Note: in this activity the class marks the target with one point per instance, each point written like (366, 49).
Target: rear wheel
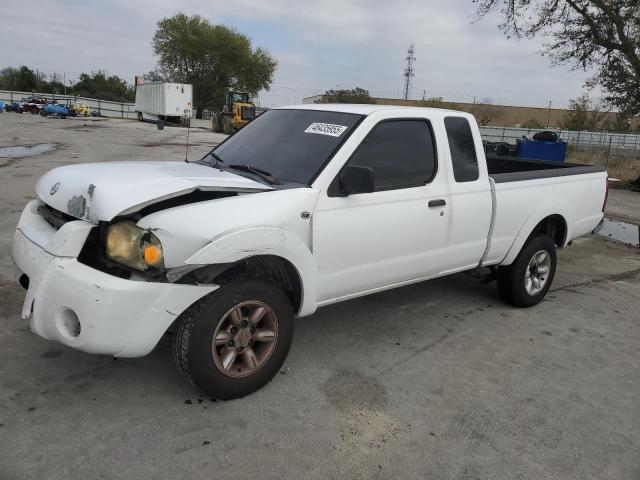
(227, 125)
(235, 340)
(216, 123)
(526, 281)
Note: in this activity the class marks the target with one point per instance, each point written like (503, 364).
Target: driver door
(397, 233)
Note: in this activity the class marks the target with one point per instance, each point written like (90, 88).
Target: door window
(401, 154)
(463, 149)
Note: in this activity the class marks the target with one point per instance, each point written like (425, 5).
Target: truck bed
(512, 169)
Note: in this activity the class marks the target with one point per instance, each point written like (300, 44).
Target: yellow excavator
(238, 110)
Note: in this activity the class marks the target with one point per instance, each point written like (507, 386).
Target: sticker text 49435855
(326, 129)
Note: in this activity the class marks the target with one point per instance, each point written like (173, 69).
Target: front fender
(551, 206)
(233, 246)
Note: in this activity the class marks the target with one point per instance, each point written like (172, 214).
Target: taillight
(606, 195)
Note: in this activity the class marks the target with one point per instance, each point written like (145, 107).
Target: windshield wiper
(257, 171)
(218, 160)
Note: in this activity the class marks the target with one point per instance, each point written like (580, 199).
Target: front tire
(526, 281)
(235, 340)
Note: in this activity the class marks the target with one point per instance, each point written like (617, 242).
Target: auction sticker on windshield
(326, 129)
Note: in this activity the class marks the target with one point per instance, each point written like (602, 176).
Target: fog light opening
(69, 323)
(24, 281)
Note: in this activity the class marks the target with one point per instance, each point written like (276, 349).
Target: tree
(22, 79)
(99, 85)
(532, 124)
(621, 123)
(485, 111)
(355, 95)
(577, 116)
(599, 34)
(583, 114)
(433, 102)
(154, 76)
(213, 58)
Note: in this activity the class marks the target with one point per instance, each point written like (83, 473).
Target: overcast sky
(319, 45)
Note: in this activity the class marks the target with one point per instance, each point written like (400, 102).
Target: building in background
(493, 114)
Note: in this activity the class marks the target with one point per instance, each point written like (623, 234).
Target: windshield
(292, 145)
(241, 97)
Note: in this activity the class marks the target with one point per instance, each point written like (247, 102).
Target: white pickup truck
(304, 207)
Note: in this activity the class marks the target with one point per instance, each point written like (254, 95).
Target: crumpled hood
(101, 191)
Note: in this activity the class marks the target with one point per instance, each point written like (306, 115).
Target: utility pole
(548, 113)
(408, 71)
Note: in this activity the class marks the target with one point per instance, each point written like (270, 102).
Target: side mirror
(355, 179)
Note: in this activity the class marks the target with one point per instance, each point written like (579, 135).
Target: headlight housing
(133, 246)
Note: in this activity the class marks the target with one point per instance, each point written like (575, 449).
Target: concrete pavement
(435, 380)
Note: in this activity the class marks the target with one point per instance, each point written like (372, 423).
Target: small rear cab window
(463, 149)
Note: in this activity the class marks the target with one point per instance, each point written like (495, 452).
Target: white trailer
(170, 102)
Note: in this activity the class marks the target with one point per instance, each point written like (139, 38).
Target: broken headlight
(133, 246)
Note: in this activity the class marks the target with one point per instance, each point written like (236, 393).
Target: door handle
(437, 203)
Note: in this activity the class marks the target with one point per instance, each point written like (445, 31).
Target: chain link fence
(103, 108)
(624, 144)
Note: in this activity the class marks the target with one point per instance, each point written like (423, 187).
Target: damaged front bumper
(86, 309)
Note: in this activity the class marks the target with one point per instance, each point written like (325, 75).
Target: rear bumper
(86, 309)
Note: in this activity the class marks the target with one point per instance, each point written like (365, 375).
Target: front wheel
(236, 339)
(526, 281)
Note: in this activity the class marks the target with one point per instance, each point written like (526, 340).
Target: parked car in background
(55, 109)
(1, 106)
(14, 107)
(81, 109)
(34, 104)
(305, 207)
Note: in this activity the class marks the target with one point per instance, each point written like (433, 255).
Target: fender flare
(551, 206)
(237, 245)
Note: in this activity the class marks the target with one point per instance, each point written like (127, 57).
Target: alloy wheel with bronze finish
(235, 340)
(245, 339)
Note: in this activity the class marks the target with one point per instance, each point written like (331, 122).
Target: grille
(54, 217)
(248, 113)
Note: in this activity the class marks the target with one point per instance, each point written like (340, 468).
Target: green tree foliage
(577, 116)
(354, 95)
(600, 35)
(99, 85)
(22, 79)
(213, 58)
(154, 76)
(583, 114)
(96, 85)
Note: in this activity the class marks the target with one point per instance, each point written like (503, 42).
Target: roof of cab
(360, 109)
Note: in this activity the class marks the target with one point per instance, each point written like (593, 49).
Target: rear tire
(526, 281)
(216, 123)
(242, 361)
(227, 125)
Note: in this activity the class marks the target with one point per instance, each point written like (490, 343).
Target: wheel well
(273, 268)
(554, 226)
